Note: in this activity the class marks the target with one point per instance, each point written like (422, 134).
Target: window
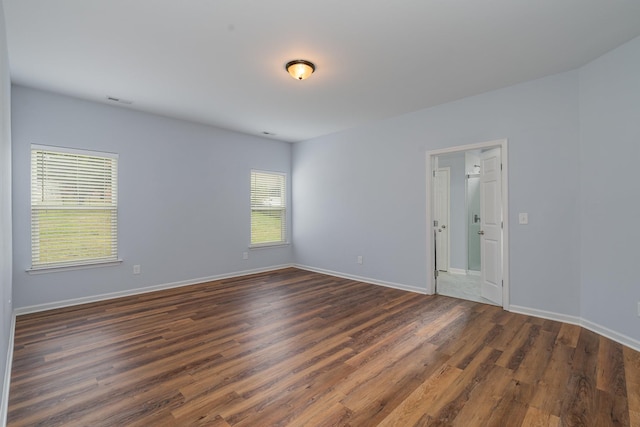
(74, 207)
(268, 208)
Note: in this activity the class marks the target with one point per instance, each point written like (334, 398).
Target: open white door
(491, 225)
(441, 184)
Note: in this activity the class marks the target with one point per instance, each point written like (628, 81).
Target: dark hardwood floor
(298, 348)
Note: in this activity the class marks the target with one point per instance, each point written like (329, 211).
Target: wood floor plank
(610, 372)
(632, 378)
(537, 418)
(519, 347)
(568, 335)
(446, 411)
(513, 406)
(485, 397)
(580, 408)
(551, 387)
(413, 408)
(535, 360)
(517, 321)
(297, 348)
(374, 399)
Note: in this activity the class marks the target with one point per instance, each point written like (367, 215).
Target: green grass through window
(73, 235)
(266, 226)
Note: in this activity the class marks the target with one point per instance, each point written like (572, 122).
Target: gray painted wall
(363, 191)
(6, 308)
(574, 155)
(183, 209)
(610, 192)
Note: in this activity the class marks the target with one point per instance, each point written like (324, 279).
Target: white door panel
(442, 190)
(491, 225)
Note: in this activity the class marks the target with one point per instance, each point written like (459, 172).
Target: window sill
(55, 269)
(269, 245)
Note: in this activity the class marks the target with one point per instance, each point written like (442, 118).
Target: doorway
(477, 229)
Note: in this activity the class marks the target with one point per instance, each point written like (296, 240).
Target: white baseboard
(611, 334)
(575, 320)
(457, 271)
(144, 290)
(362, 279)
(4, 405)
(474, 273)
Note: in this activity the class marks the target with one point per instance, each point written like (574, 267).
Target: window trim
(285, 209)
(70, 267)
(81, 264)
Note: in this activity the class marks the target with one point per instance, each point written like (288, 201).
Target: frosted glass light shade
(300, 69)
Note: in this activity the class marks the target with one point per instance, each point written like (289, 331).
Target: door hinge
(503, 283)
(500, 166)
(501, 224)
(434, 174)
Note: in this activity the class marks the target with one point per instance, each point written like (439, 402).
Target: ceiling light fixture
(300, 69)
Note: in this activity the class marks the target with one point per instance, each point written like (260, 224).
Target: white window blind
(268, 208)
(74, 207)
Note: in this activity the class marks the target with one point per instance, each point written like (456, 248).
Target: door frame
(430, 156)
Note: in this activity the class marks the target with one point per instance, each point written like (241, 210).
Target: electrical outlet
(523, 218)
(359, 259)
(245, 255)
(136, 269)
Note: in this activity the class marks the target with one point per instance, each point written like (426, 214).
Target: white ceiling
(221, 62)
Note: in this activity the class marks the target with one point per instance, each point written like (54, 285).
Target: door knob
(444, 226)
(481, 232)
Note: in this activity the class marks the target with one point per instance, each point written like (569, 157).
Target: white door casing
(491, 225)
(442, 190)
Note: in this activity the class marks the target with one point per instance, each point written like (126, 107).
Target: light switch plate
(523, 218)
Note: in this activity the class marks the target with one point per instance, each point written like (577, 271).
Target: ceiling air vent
(119, 100)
